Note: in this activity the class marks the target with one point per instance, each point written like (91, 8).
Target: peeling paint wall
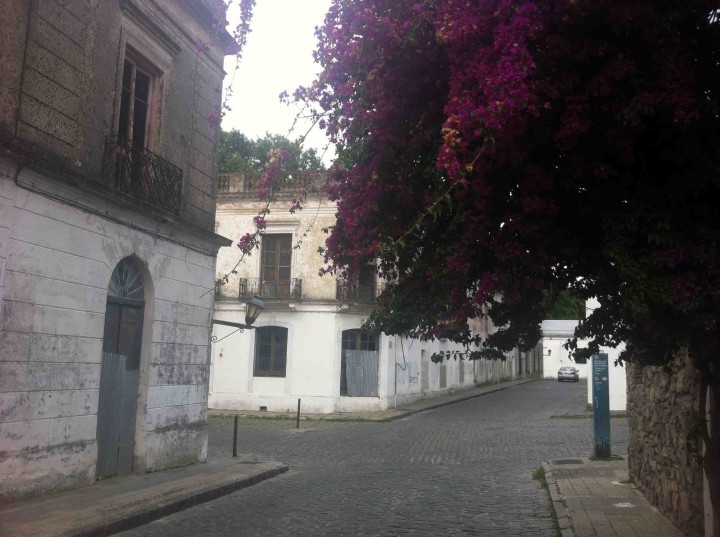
(62, 233)
(59, 262)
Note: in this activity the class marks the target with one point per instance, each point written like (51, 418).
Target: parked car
(568, 373)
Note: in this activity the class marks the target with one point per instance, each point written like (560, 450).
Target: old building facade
(308, 343)
(107, 243)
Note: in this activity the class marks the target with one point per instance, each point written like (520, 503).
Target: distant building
(555, 334)
(107, 243)
(308, 343)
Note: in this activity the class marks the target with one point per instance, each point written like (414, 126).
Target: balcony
(287, 289)
(142, 174)
(357, 292)
(242, 184)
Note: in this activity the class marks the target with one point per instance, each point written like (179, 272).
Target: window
(364, 287)
(129, 164)
(276, 265)
(276, 255)
(270, 351)
(358, 340)
(135, 105)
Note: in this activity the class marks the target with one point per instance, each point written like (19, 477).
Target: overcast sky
(277, 58)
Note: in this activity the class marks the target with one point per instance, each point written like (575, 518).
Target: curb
(139, 519)
(398, 412)
(559, 510)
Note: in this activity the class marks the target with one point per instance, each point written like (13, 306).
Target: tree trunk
(711, 440)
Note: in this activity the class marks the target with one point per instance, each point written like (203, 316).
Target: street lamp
(253, 309)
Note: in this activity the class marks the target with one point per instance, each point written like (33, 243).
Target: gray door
(359, 362)
(120, 373)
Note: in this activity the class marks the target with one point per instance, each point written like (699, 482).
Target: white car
(568, 373)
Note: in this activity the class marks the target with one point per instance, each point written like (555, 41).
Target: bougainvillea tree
(491, 150)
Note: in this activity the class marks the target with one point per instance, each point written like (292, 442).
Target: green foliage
(539, 476)
(238, 153)
(564, 306)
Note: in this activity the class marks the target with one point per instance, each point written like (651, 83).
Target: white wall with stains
(315, 322)
(57, 260)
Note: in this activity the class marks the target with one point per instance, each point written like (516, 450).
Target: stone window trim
(279, 228)
(151, 51)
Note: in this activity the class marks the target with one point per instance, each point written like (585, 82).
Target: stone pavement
(116, 504)
(593, 498)
(456, 471)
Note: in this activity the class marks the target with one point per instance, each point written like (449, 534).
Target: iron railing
(353, 291)
(142, 174)
(250, 287)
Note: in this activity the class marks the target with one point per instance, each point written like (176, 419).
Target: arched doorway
(119, 377)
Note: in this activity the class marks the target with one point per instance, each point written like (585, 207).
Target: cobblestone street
(463, 469)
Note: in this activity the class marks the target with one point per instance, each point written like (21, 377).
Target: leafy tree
(564, 306)
(498, 148)
(238, 153)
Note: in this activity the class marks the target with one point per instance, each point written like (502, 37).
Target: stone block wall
(55, 265)
(62, 64)
(663, 453)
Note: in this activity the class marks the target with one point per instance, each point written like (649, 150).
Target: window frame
(273, 370)
(277, 266)
(153, 52)
(130, 128)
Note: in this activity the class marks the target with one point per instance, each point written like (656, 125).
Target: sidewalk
(121, 503)
(117, 504)
(595, 499)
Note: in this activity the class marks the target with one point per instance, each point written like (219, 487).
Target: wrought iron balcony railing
(142, 174)
(353, 291)
(250, 287)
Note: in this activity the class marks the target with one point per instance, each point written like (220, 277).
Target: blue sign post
(601, 405)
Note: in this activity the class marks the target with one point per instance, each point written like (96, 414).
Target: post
(297, 420)
(601, 405)
(235, 437)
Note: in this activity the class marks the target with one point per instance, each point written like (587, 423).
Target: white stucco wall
(555, 335)
(617, 381)
(57, 265)
(313, 365)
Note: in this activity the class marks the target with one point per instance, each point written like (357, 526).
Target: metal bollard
(297, 421)
(235, 437)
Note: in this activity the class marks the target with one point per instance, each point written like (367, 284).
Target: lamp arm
(215, 339)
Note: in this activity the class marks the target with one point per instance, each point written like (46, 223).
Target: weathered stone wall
(63, 231)
(58, 261)
(62, 65)
(663, 452)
